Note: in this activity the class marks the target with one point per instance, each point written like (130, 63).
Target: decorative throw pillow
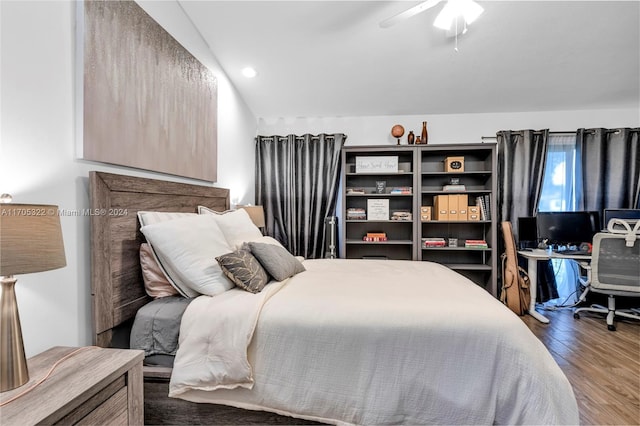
(278, 262)
(244, 270)
(236, 226)
(155, 283)
(186, 248)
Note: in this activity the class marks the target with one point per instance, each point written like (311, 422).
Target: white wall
(38, 161)
(449, 128)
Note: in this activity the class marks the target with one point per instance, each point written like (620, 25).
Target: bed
(343, 342)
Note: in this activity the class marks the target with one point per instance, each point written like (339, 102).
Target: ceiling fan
(468, 10)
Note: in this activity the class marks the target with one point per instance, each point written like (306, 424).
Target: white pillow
(147, 218)
(150, 217)
(187, 248)
(236, 226)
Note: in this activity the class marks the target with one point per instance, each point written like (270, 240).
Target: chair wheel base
(576, 315)
(611, 327)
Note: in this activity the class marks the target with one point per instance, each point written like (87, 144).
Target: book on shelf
(487, 205)
(475, 244)
(484, 204)
(355, 213)
(401, 215)
(355, 191)
(375, 237)
(376, 234)
(403, 190)
(458, 187)
(433, 242)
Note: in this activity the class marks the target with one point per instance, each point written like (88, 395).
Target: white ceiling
(331, 58)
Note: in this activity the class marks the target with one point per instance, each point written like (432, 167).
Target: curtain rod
(536, 132)
(297, 137)
(539, 132)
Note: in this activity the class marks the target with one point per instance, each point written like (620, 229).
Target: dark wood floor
(603, 366)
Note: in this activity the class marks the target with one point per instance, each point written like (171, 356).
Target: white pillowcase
(150, 217)
(147, 218)
(187, 249)
(236, 225)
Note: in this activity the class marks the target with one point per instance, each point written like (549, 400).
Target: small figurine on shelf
(397, 131)
(411, 137)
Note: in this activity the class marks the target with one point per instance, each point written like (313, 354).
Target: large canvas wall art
(148, 103)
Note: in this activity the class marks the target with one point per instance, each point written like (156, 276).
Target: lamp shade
(256, 213)
(30, 239)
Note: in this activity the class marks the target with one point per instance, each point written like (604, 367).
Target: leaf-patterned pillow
(244, 270)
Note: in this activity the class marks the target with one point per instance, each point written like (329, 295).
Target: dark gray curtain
(297, 181)
(521, 161)
(610, 160)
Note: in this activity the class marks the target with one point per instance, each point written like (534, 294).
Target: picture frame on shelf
(377, 164)
(378, 209)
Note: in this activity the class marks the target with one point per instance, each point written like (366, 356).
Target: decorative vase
(418, 140)
(425, 135)
(411, 137)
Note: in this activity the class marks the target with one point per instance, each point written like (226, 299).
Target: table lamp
(30, 241)
(256, 213)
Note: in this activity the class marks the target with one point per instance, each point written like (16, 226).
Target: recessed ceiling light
(249, 72)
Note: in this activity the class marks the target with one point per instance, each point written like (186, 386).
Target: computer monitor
(632, 215)
(527, 232)
(568, 228)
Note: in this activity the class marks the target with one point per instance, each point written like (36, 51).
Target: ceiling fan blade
(409, 13)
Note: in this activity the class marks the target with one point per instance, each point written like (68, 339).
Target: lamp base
(13, 363)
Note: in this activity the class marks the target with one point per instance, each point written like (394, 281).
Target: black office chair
(615, 269)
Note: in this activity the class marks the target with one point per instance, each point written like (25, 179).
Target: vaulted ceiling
(331, 58)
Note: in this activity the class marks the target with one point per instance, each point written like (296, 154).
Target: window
(561, 189)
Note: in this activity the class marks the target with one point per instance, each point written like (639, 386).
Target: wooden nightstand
(94, 386)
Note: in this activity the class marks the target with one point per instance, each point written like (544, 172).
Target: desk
(533, 257)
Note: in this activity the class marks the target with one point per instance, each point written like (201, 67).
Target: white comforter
(370, 342)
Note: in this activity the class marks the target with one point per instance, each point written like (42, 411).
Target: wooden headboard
(116, 279)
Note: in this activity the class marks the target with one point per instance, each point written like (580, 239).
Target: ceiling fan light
(468, 9)
(471, 11)
(446, 16)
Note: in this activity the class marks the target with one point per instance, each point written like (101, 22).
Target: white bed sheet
(370, 342)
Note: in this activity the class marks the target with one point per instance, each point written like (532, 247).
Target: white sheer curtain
(561, 187)
(561, 191)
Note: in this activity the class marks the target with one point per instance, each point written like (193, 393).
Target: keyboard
(570, 253)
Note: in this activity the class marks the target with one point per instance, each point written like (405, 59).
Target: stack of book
(433, 242)
(355, 191)
(355, 213)
(480, 244)
(401, 215)
(454, 187)
(403, 190)
(375, 236)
